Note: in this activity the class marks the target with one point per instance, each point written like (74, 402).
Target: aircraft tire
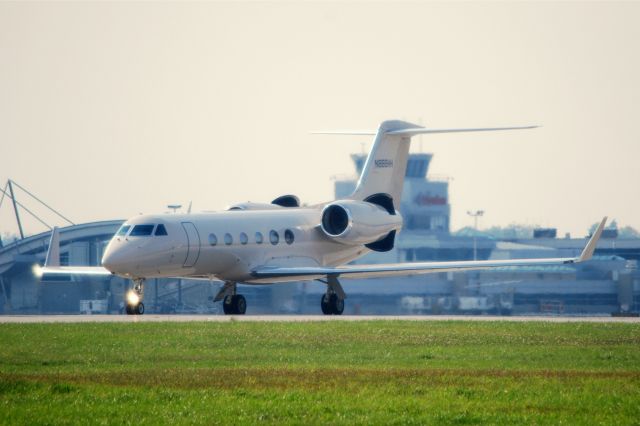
(239, 304)
(129, 310)
(139, 309)
(324, 304)
(227, 305)
(336, 304)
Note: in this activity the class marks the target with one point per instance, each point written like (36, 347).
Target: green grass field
(377, 372)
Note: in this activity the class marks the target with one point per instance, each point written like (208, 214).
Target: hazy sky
(111, 109)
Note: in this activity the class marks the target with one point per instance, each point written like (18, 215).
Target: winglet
(587, 253)
(53, 253)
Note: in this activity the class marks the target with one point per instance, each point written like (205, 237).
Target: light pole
(475, 214)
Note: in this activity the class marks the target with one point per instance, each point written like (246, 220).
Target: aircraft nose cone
(114, 260)
(108, 261)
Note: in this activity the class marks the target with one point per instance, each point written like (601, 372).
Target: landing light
(37, 270)
(132, 298)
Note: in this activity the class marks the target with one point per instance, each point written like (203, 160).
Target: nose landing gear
(134, 298)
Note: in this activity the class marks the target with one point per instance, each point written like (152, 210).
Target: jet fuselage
(225, 245)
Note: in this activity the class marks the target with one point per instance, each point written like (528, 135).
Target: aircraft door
(193, 244)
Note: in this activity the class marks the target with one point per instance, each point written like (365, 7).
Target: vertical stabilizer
(384, 170)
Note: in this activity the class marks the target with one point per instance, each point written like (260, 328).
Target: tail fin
(384, 170)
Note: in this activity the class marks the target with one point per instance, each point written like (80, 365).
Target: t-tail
(385, 167)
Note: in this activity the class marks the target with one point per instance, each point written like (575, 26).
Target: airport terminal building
(608, 283)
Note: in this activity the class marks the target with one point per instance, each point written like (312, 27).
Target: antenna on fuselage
(174, 207)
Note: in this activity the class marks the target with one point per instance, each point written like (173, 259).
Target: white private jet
(259, 243)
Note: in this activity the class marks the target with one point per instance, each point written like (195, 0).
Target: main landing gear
(232, 303)
(332, 302)
(134, 298)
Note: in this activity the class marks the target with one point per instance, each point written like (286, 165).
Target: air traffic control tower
(425, 202)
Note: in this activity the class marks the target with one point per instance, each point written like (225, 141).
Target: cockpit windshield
(141, 230)
(123, 230)
(144, 230)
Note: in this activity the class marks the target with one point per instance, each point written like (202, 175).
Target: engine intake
(335, 220)
(357, 222)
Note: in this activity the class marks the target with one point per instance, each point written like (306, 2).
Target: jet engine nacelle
(253, 206)
(358, 222)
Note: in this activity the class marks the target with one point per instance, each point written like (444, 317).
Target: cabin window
(243, 238)
(123, 230)
(228, 239)
(274, 237)
(288, 236)
(161, 230)
(213, 240)
(259, 238)
(141, 230)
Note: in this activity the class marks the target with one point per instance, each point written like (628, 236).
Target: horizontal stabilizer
(346, 132)
(412, 131)
(423, 131)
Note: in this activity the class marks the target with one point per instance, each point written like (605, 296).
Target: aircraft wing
(71, 270)
(41, 271)
(400, 269)
(415, 268)
(418, 131)
(52, 262)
